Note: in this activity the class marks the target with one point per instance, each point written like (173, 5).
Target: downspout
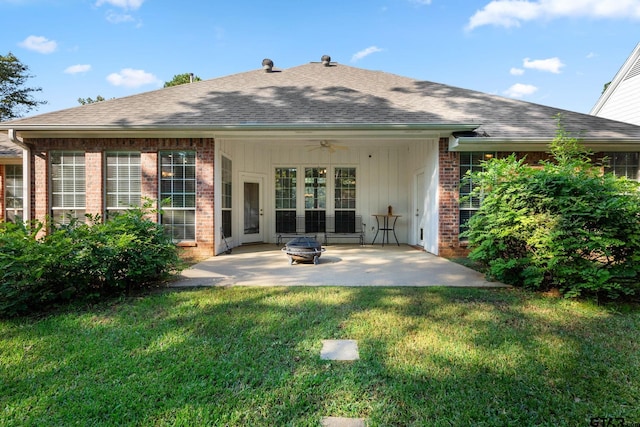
(26, 173)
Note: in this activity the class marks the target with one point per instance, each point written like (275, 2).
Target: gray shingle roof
(8, 149)
(314, 95)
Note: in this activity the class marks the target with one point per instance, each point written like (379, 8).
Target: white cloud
(39, 44)
(123, 4)
(520, 90)
(421, 1)
(118, 18)
(115, 17)
(552, 65)
(131, 78)
(79, 68)
(516, 71)
(511, 13)
(591, 55)
(366, 52)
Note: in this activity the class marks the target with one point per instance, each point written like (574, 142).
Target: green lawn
(251, 357)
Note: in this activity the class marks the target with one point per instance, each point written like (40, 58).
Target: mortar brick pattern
(94, 150)
(2, 191)
(449, 176)
(94, 203)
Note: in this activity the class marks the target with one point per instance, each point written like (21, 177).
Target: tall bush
(564, 224)
(82, 260)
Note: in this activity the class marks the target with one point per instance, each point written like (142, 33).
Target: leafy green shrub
(20, 262)
(562, 225)
(82, 260)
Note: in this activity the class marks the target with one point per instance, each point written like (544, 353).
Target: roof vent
(326, 60)
(267, 65)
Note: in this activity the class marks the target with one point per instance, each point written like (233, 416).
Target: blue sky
(552, 52)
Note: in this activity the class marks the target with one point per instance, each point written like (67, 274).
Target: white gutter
(26, 173)
(462, 144)
(245, 130)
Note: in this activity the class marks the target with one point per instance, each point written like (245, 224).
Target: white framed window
(286, 187)
(178, 193)
(68, 186)
(623, 164)
(227, 199)
(315, 199)
(123, 181)
(345, 199)
(13, 195)
(470, 162)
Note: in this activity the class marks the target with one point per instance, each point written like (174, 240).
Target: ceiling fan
(325, 144)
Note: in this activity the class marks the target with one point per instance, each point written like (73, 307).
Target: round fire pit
(303, 249)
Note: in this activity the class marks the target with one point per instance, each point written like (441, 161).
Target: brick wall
(205, 195)
(2, 191)
(39, 185)
(149, 172)
(94, 150)
(448, 194)
(94, 203)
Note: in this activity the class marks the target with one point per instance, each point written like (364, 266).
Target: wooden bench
(357, 233)
(300, 231)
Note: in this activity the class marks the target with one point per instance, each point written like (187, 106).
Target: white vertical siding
(385, 174)
(424, 158)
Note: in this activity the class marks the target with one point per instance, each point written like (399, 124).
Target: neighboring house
(253, 152)
(11, 180)
(621, 99)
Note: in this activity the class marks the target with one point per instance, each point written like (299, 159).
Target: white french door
(253, 208)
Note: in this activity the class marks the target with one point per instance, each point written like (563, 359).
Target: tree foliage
(180, 79)
(89, 100)
(564, 224)
(15, 99)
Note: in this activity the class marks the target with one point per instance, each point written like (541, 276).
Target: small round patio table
(386, 223)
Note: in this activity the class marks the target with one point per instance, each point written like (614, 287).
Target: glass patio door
(315, 199)
(252, 212)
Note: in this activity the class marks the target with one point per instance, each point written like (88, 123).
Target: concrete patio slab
(340, 265)
(339, 350)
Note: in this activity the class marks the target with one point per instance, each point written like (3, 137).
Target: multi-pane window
(469, 163)
(178, 193)
(623, 164)
(68, 186)
(286, 186)
(226, 196)
(315, 199)
(345, 199)
(123, 181)
(13, 196)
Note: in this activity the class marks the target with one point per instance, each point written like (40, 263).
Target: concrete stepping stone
(342, 422)
(339, 350)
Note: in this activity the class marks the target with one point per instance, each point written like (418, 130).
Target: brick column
(149, 172)
(94, 176)
(40, 185)
(205, 220)
(2, 192)
(449, 175)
